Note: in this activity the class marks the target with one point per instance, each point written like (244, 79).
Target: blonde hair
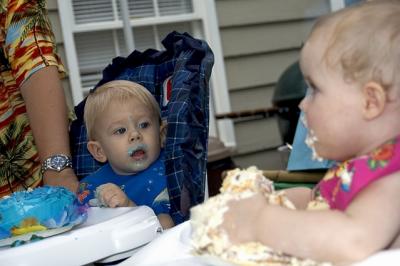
(364, 42)
(117, 90)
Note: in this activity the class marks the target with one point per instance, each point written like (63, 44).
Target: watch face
(58, 162)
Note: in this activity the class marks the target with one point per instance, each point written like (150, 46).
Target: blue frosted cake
(40, 209)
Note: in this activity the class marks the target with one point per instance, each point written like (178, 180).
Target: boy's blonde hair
(364, 42)
(117, 90)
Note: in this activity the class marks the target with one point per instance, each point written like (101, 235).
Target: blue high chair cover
(185, 66)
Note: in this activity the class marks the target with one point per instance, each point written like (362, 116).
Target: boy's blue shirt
(148, 187)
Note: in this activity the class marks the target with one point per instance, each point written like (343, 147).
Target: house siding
(260, 39)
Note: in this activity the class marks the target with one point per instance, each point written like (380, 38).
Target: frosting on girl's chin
(310, 141)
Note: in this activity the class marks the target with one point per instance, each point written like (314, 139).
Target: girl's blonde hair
(117, 90)
(364, 42)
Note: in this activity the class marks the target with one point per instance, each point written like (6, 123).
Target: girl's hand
(241, 220)
(112, 196)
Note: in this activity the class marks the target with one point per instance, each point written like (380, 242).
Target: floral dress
(27, 45)
(345, 180)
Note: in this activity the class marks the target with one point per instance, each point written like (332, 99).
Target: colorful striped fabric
(27, 45)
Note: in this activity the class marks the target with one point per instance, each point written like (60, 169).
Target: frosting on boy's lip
(137, 152)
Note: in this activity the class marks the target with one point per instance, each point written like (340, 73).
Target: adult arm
(47, 112)
(35, 67)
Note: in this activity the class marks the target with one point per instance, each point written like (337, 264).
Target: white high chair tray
(173, 248)
(106, 232)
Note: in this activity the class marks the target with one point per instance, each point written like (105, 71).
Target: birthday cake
(208, 240)
(41, 209)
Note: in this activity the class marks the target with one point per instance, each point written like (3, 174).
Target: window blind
(89, 11)
(95, 49)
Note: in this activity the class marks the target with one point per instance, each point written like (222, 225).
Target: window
(95, 31)
(338, 4)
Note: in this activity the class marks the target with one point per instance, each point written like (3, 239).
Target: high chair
(179, 80)
(178, 77)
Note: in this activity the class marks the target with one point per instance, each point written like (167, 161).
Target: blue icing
(52, 207)
(4, 233)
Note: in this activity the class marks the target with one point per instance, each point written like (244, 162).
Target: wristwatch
(56, 162)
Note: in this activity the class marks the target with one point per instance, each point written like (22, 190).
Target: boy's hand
(165, 220)
(110, 195)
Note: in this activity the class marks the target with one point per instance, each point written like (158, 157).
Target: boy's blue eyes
(122, 130)
(144, 125)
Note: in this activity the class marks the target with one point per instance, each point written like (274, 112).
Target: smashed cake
(209, 240)
(40, 209)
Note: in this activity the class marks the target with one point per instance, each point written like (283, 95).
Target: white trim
(337, 4)
(115, 9)
(156, 38)
(220, 93)
(156, 9)
(67, 21)
(116, 42)
(129, 40)
(212, 125)
(128, 34)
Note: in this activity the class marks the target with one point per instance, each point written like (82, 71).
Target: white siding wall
(260, 39)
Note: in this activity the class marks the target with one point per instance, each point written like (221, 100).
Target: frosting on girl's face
(310, 140)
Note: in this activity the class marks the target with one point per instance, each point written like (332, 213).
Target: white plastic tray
(173, 249)
(106, 233)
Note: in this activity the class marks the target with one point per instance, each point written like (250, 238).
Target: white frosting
(310, 140)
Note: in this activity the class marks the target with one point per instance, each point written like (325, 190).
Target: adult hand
(65, 178)
(241, 220)
(112, 196)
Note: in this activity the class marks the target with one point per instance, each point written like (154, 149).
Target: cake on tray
(37, 210)
(208, 240)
